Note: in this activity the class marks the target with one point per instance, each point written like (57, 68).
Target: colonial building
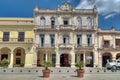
(108, 45)
(66, 35)
(63, 36)
(16, 41)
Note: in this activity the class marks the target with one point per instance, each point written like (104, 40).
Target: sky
(108, 10)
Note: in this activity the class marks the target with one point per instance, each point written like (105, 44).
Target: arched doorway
(105, 57)
(19, 57)
(64, 60)
(5, 53)
(118, 56)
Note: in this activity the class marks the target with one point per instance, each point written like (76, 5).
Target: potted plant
(80, 70)
(22, 64)
(46, 71)
(4, 63)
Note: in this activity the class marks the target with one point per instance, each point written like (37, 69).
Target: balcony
(45, 45)
(106, 47)
(67, 27)
(45, 27)
(67, 46)
(16, 40)
(84, 47)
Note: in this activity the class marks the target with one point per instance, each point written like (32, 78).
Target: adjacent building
(16, 41)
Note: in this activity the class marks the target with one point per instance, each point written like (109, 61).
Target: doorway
(64, 60)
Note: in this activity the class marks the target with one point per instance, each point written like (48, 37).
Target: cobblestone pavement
(57, 74)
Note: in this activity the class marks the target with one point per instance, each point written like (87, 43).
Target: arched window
(89, 22)
(79, 22)
(52, 22)
(42, 21)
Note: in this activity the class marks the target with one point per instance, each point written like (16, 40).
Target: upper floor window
(117, 42)
(42, 39)
(52, 22)
(79, 22)
(65, 39)
(79, 39)
(65, 21)
(89, 40)
(52, 39)
(42, 21)
(21, 36)
(106, 43)
(6, 36)
(89, 22)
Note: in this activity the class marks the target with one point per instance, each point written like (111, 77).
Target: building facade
(16, 41)
(108, 45)
(63, 36)
(66, 35)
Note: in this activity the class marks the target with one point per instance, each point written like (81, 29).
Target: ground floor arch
(43, 55)
(106, 57)
(87, 57)
(19, 56)
(65, 60)
(5, 54)
(118, 56)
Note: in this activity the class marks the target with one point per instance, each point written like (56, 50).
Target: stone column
(11, 61)
(84, 58)
(73, 59)
(57, 58)
(113, 41)
(99, 60)
(35, 58)
(46, 56)
(95, 57)
(0, 55)
(113, 57)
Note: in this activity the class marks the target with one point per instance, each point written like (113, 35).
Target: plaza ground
(57, 74)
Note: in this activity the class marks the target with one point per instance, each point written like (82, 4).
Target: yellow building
(16, 41)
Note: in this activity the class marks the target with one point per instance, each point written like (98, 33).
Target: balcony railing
(84, 45)
(63, 27)
(46, 26)
(46, 45)
(66, 26)
(16, 40)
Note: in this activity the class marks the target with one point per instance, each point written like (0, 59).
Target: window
(65, 21)
(89, 22)
(42, 39)
(53, 59)
(6, 36)
(18, 60)
(65, 39)
(79, 22)
(44, 57)
(89, 40)
(42, 21)
(18, 52)
(117, 42)
(79, 40)
(52, 22)
(52, 39)
(106, 43)
(21, 36)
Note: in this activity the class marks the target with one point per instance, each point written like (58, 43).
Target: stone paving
(57, 74)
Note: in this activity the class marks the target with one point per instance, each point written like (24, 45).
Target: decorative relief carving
(66, 7)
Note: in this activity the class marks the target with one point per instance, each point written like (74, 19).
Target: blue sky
(109, 10)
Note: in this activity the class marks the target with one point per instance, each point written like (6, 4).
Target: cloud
(107, 8)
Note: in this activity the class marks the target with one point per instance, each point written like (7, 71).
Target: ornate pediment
(65, 7)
